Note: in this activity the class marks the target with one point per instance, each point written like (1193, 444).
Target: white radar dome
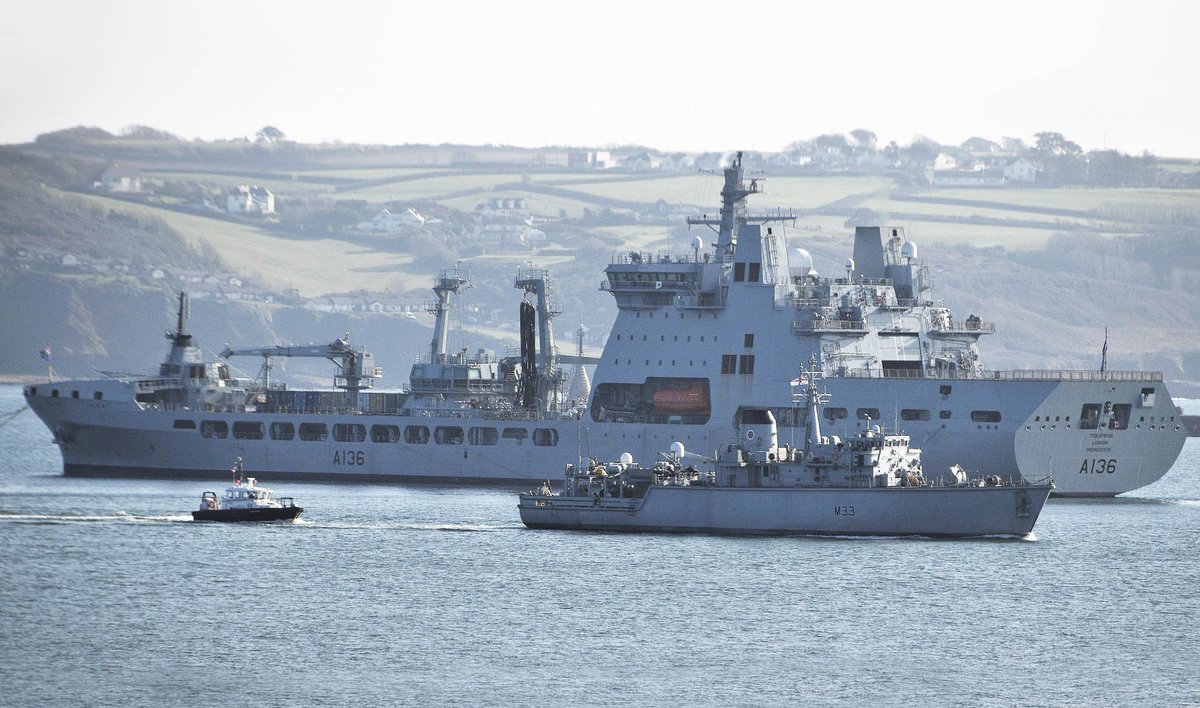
(801, 262)
(698, 243)
(626, 458)
(677, 450)
(849, 264)
(909, 251)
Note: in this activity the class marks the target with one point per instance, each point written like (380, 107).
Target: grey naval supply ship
(869, 484)
(700, 339)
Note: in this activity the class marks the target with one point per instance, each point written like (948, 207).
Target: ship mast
(733, 208)
(449, 281)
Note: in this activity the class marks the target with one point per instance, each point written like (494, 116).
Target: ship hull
(951, 512)
(1037, 435)
(286, 513)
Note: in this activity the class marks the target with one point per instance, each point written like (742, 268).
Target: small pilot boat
(245, 501)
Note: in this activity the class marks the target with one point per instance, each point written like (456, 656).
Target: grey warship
(870, 484)
(700, 338)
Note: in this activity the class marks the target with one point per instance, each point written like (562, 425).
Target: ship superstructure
(700, 339)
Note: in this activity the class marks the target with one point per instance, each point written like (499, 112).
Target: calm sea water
(390, 595)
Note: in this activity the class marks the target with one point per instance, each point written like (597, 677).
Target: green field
(313, 266)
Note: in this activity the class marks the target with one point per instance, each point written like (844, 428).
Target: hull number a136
(354, 458)
(1098, 465)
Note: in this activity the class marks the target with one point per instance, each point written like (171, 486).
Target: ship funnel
(758, 431)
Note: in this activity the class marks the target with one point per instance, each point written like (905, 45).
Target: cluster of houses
(508, 222)
(950, 171)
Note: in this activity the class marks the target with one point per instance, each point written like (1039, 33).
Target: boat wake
(116, 517)
(401, 526)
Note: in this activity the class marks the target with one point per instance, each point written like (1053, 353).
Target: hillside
(91, 268)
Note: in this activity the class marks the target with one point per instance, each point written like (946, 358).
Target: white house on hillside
(120, 179)
(385, 221)
(250, 199)
(1020, 170)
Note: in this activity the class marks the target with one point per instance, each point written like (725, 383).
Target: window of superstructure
(448, 435)
(834, 413)
(385, 433)
(99, 395)
(944, 415)
(748, 341)
(739, 272)
(518, 434)
(985, 416)
(313, 432)
(914, 414)
(282, 431)
(747, 364)
(867, 413)
(349, 432)
(75, 394)
(754, 272)
(185, 425)
(1089, 416)
(482, 436)
(214, 428)
(416, 435)
(247, 430)
(728, 363)
(545, 437)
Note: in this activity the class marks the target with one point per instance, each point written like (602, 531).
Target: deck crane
(356, 367)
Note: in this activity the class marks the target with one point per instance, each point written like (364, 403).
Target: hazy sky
(692, 75)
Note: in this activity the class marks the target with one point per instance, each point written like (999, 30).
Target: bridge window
(214, 428)
(99, 395)
(1120, 417)
(416, 435)
(313, 432)
(282, 431)
(729, 363)
(985, 416)
(747, 364)
(185, 425)
(482, 436)
(448, 435)
(1089, 417)
(247, 430)
(385, 433)
(545, 437)
(834, 413)
(867, 413)
(754, 269)
(914, 414)
(349, 432)
(739, 272)
(748, 341)
(518, 434)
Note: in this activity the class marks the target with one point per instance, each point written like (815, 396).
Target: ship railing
(964, 328)
(461, 358)
(1013, 375)
(648, 285)
(829, 325)
(648, 258)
